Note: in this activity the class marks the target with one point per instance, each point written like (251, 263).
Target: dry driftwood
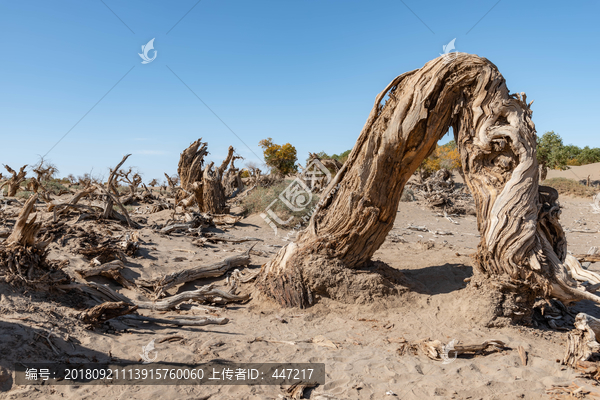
(215, 238)
(581, 342)
(204, 294)
(436, 350)
(225, 219)
(110, 270)
(180, 320)
(195, 223)
(105, 311)
(205, 271)
(521, 237)
(588, 257)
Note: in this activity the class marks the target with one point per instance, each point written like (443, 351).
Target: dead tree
(44, 170)
(133, 181)
(113, 199)
(212, 182)
(232, 180)
(523, 246)
(190, 170)
(12, 185)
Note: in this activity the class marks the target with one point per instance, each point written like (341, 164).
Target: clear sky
(303, 71)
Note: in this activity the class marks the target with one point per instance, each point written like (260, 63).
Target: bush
(553, 154)
(570, 187)
(24, 194)
(55, 186)
(281, 158)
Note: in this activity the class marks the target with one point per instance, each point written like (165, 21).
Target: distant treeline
(552, 153)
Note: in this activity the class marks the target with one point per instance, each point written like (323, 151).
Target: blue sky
(304, 72)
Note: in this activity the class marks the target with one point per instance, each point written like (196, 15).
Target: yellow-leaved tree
(444, 156)
(282, 159)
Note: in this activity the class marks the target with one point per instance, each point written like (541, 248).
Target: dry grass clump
(570, 187)
(261, 197)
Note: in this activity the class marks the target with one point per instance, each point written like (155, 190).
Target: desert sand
(361, 353)
(578, 173)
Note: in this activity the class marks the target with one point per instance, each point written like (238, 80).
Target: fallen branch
(204, 294)
(105, 311)
(181, 321)
(587, 257)
(207, 271)
(215, 238)
(436, 350)
(110, 270)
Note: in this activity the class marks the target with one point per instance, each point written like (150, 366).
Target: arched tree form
(522, 251)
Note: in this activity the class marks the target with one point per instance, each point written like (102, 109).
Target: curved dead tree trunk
(522, 246)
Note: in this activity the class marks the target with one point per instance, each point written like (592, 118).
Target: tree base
(505, 302)
(300, 280)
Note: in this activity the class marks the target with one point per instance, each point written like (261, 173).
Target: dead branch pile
(23, 257)
(440, 191)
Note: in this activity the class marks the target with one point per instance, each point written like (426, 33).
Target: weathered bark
(12, 185)
(521, 239)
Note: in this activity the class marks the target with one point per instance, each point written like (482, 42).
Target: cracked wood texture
(522, 243)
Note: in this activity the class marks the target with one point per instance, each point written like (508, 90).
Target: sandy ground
(365, 365)
(579, 173)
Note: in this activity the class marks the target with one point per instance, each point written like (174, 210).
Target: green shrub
(23, 194)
